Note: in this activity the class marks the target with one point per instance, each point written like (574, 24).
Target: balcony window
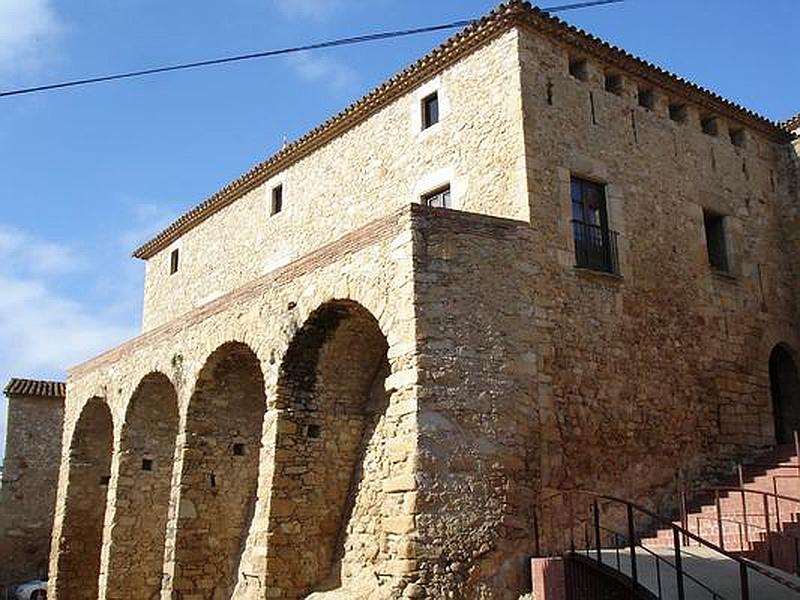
(595, 243)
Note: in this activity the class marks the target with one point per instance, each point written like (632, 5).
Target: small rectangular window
(430, 110)
(579, 69)
(174, 261)
(238, 449)
(276, 203)
(678, 113)
(715, 240)
(737, 137)
(647, 98)
(147, 464)
(614, 83)
(439, 198)
(595, 243)
(710, 126)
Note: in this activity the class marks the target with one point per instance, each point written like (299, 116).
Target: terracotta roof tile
(35, 387)
(502, 18)
(792, 124)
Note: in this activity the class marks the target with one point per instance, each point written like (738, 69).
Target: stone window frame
(591, 170)
(732, 234)
(437, 180)
(434, 86)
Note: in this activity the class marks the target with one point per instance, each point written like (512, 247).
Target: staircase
(754, 516)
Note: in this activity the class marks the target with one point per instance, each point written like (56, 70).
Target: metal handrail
(745, 566)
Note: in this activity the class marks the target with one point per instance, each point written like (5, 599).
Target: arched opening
(220, 473)
(331, 399)
(85, 504)
(147, 453)
(785, 389)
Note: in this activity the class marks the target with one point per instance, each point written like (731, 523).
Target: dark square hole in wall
(579, 69)
(238, 449)
(313, 431)
(614, 83)
(147, 464)
(105, 480)
(738, 137)
(710, 126)
(647, 98)
(678, 112)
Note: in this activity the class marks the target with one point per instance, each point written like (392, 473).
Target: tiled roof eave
(35, 387)
(500, 20)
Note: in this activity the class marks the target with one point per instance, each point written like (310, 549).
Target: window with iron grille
(715, 241)
(430, 110)
(439, 198)
(595, 243)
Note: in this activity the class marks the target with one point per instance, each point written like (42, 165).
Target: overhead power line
(347, 41)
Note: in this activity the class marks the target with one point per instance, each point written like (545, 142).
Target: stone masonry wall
(28, 489)
(373, 169)
(664, 368)
(369, 268)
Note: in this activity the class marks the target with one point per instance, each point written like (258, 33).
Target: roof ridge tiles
(19, 386)
(500, 19)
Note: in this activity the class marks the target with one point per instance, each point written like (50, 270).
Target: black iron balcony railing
(595, 247)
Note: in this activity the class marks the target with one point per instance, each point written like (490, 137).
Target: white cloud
(44, 331)
(315, 68)
(27, 30)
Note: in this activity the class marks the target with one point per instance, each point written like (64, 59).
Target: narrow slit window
(276, 202)
(439, 198)
(174, 261)
(430, 110)
(716, 242)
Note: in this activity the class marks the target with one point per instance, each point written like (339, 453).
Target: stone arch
(143, 485)
(219, 475)
(330, 401)
(785, 392)
(89, 467)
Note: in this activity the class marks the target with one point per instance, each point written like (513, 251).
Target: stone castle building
(528, 262)
(30, 474)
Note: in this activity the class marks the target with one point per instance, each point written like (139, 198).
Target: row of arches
(329, 400)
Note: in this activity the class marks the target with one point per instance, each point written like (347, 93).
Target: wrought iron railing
(609, 530)
(595, 247)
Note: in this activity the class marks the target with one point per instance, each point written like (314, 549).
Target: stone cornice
(500, 20)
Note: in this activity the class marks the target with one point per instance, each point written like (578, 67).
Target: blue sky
(86, 174)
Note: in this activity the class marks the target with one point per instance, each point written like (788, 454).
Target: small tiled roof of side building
(506, 15)
(793, 123)
(35, 387)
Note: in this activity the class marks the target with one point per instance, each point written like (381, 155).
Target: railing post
(719, 520)
(571, 510)
(767, 535)
(676, 538)
(632, 544)
(684, 513)
(797, 449)
(744, 503)
(778, 525)
(744, 584)
(597, 531)
(536, 541)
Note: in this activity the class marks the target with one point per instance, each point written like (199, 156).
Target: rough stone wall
(28, 489)
(478, 416)
(368, 172)
(369, 268)
(664, 368)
